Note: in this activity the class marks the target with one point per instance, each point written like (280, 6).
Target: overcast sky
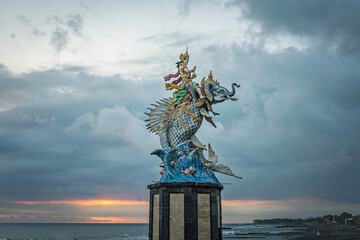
(77, 76)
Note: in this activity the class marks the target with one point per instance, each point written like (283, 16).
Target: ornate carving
(177, 119)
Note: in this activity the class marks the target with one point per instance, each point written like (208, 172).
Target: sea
(72, 231)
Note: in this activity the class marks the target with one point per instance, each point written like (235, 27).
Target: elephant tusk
(231, 98)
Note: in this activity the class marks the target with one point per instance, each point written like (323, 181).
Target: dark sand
(308, 232)
(330, 231)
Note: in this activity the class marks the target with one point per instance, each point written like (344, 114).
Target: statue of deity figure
(186, 77)
(177, 119)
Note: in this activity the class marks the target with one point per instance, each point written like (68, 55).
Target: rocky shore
(330, 232)
(303, 232)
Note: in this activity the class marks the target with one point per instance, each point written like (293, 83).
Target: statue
(186, 77)
(176, 120)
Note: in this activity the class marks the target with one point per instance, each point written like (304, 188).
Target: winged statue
(177, 119)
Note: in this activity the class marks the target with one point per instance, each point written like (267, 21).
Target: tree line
(343, 218)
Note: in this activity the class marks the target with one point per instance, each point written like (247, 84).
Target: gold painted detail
(164, 112)
(200, 103)
(160, 116)
(185, 107)
(184, 55)
(171, 86)
(210, 79)
(202, 84)
(166, 117)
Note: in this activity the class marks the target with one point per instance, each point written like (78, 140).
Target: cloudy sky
(77, 76)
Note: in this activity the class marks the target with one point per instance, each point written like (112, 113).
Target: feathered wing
(213, 158)
(197, 142)
(224, 170)
(159, 117)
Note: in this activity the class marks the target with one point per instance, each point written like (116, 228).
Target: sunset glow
(117, 220)
(240, 203)
(103, 202)
(91, 202)
(78, 77)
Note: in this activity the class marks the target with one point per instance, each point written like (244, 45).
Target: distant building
(328, 219)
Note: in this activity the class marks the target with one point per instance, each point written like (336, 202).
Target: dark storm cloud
(335, 22)
(295, 127)
(69, 83)
(50, 150)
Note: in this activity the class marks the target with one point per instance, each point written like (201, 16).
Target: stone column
(185, 211)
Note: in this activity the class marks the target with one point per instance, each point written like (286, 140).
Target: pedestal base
(185, 211)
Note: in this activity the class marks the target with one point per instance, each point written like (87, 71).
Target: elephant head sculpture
(216, 93)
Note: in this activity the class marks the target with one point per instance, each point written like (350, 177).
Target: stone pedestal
(185, 211)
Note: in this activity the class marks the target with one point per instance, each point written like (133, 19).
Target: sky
(77, 76)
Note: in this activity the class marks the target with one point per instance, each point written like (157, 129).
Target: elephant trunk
(233, 89)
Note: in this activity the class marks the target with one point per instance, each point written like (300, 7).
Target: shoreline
(329, 231)
(305, 232)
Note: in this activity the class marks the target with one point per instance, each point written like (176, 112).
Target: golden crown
(210, 79)
(184, 55)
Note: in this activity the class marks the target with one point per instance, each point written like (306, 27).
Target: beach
(140, 231)
(294, 232)
(330, 232)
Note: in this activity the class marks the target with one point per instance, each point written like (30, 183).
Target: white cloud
(117, 122)
(110, 45)
(280, 42)
(294, 121)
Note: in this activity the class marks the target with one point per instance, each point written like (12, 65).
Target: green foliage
(344, 217)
